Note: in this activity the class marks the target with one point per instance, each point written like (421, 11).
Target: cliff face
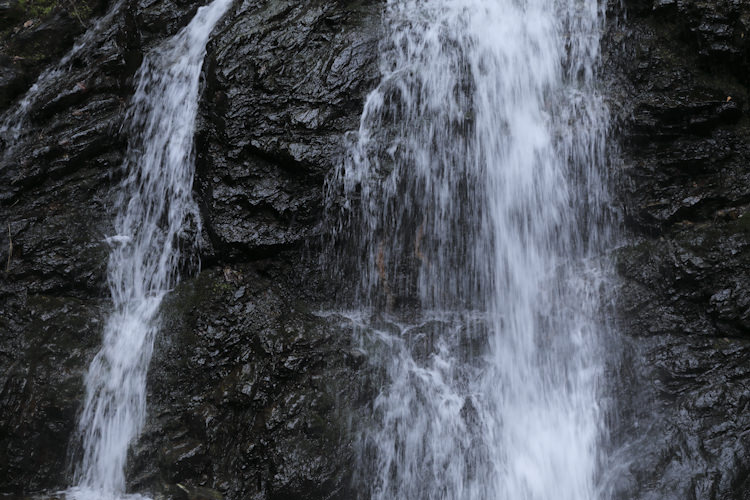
(250, 392)
(681, 92)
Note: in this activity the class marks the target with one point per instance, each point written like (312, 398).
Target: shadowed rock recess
(250, 393)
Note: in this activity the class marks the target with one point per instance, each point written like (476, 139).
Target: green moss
(38, 8)
(222, 287)
(31, 9)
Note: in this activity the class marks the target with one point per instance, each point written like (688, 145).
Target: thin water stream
(476, 192)
(155, 209)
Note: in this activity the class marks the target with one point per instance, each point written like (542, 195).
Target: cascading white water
(479, 173)
(155, 206)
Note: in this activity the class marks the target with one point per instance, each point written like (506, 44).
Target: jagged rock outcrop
(285, 83)
(681, 92)
(269, 416)
(250, 392)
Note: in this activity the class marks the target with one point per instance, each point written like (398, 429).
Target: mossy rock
(39, 9)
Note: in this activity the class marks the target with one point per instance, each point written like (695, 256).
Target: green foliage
(78, 9)
(37, 8)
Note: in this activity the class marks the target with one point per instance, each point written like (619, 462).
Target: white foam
(480, 174)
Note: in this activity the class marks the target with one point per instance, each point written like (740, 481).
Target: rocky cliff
(680, 90)
(250, 392)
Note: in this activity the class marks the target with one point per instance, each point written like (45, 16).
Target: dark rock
(250, 393)
(680, 88)
(285, 81)
(45, 346)
(25, 38)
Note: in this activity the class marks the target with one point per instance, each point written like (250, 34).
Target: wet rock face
(250, 392)
(681, 91)
(286, 81)
(54, 200)
(42, 351)
(26, 29)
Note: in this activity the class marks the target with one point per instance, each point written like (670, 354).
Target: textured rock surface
(249, 390)
(285, 83)
(54, 212)
(247, 387)
(685, 189)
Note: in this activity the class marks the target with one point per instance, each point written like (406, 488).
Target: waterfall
(155, 209)
(473, 207)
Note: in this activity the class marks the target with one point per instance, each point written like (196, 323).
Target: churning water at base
(478, 171)
(155, 207)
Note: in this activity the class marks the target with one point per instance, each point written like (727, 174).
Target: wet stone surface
(680, 91)
(250, 392)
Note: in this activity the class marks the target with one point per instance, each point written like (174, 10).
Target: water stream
(155, 209)
(475, 192)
